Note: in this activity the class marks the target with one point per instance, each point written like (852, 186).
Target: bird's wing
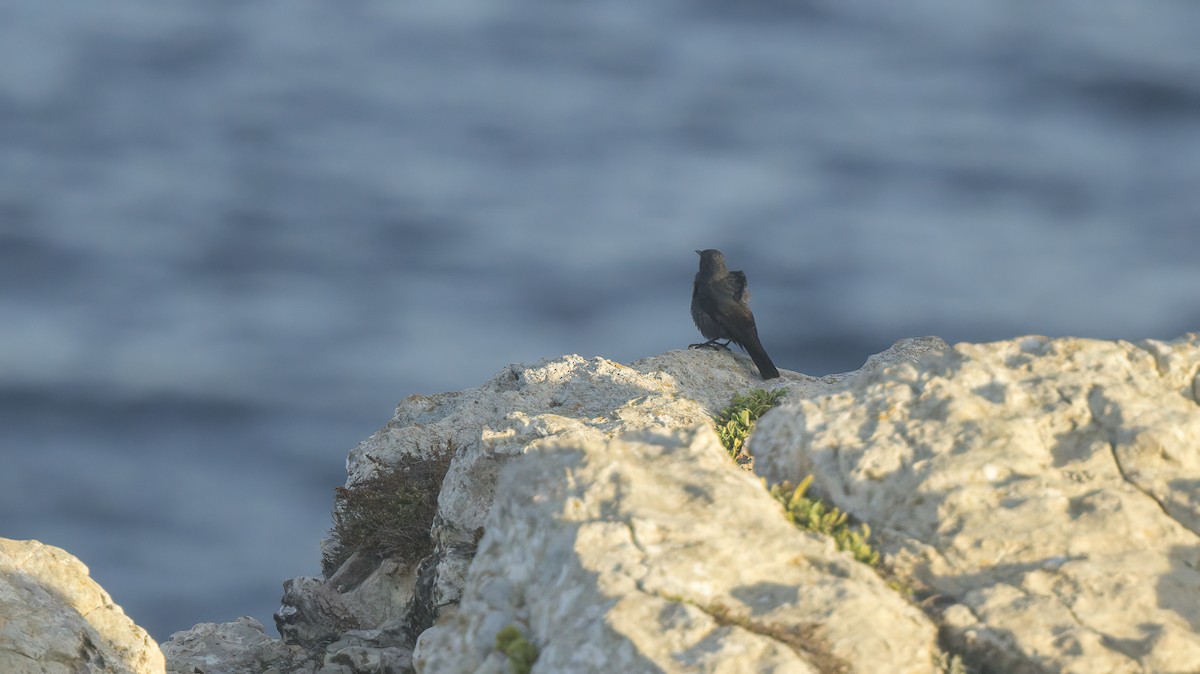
(739, 285)
(731, 311)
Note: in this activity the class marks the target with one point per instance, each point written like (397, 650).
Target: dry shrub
(389, 514)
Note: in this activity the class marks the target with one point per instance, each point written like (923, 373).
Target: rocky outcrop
(375, 609)
(1038, 496)
(655, 554)
(54, 619)
(238, 647)
(1045, 491)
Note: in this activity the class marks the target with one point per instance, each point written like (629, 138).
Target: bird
(720, 310)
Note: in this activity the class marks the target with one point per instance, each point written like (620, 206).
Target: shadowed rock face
(1046, 489)
(235, 647)
(54, 619)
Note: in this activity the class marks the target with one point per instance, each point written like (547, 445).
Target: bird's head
(711, 260)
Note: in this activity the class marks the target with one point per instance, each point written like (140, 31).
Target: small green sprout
(816, 515)
(521, 653)
(735, 422)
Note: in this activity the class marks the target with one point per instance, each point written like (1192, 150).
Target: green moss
(816, 515)
(734, 425)
(735, 422)
(521, 653)
(389, 514)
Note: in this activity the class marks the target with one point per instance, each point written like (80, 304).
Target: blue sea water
(233, 235)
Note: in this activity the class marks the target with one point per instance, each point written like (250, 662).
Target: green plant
(521, 653)
(734, 425)
(816, 515)
(390, 513)
(951, 664)
(735, 422)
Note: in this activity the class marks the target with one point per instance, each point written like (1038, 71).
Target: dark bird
(720, 310)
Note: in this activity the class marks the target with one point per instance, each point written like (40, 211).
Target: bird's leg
(710, 344)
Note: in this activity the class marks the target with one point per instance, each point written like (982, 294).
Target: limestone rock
(313, 614)
(54, 619)
(1045, 489)
(383, 605)
(569, 397)
(487, 426)
(655, 553)
(238, 647)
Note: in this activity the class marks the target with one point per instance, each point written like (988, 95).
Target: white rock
(489, 425)
(1048, 488)
(658, 554)
(238, 647)
(569, 399)
(54, 619)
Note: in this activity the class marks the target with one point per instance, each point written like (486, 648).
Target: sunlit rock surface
(54, 619)
(1048, 491)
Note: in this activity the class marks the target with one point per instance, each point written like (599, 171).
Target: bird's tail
(759, 355)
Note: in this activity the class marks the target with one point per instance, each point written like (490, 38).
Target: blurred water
(232, 235)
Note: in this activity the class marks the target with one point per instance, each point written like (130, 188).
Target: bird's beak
(699, 253)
